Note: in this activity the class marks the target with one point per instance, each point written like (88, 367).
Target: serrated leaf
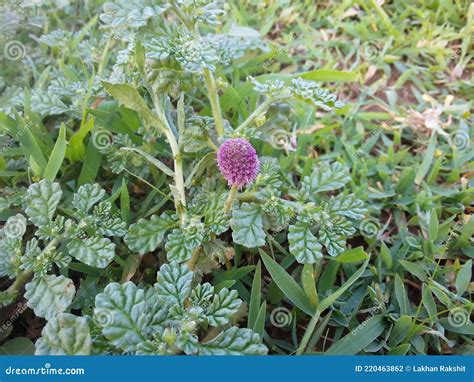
(146, 235)
(174, 283)
(247, 226)
(234, 341)
(224, 305)
(334, 243)
(303, 244)
(65, 334)
(325, 178)
(180, 245)
(41, 201)
(94, 251)
(86, 197)
(121, 312)
(49, 295)
(347, 205)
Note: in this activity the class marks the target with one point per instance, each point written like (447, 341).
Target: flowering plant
(162, 195)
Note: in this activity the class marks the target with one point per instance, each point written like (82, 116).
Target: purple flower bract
(238, 162)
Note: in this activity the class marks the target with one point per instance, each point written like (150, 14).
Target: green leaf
(400, 349)
(415, 269)
(121, 312)
(130, 98)
(41, 201)
(429, 302)
(181, 244)
(287, 285)
(57, 156)
(347, 205)
(259, 326)
(234, 341)
(18, 346)
(255, 296)
(155, 162)
(146, 235)
(328, 75)
(23, 134)
(359, 338)
(433, 228)
(325, 178)
(328, 301)
(247, 226)
(49, 295)
(174, 283)
(463, 279)
(224, 305)
(386, 255)
(94, 251)
(309, 283)
(400, 330)
(65, 334)
(401, 296)
(86, 197)
(428, 156)
(353, 255)
(303, 244)
(90, 165)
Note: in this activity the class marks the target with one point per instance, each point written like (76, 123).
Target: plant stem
(214, 100)
(257, 112)
(193, 261)
(308, 333)
(230, 199)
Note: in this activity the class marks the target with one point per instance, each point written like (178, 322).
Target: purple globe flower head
(238, 162)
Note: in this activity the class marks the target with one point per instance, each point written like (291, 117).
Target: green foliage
(355, 237)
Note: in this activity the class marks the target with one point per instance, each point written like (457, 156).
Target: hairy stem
(230, 199)
(214, 100)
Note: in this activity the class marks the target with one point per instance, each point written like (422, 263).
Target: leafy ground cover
(247, 177)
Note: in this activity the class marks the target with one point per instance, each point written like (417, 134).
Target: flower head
(238, 162)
